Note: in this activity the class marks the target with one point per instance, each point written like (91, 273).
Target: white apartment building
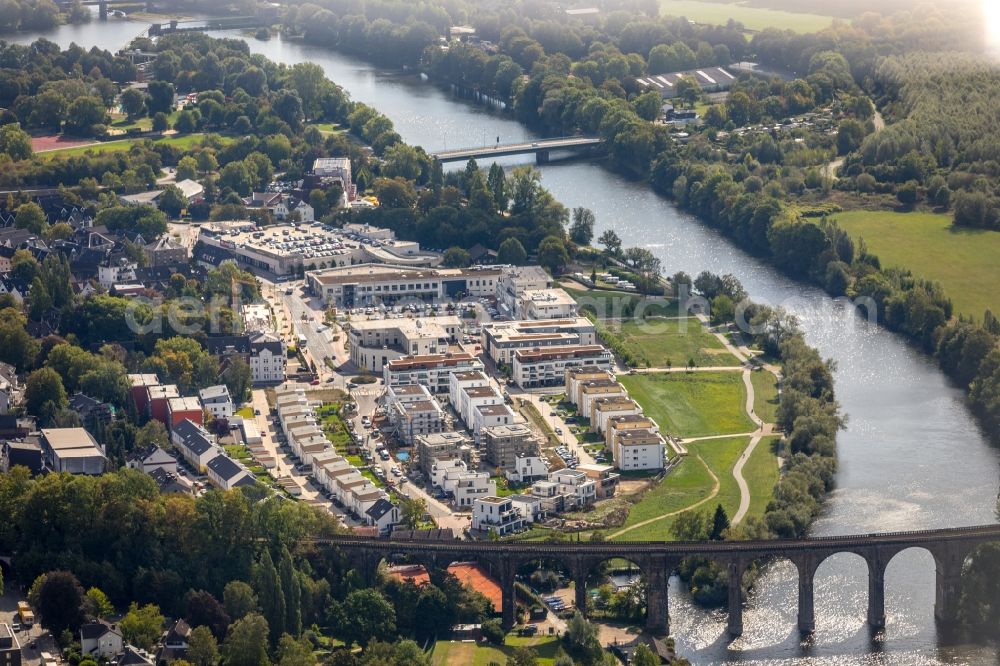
(501, 339)
(458, 382)
(433, 371)
(576, 377)
(490, 416)
(547, 367)
(603, 409)
(388, 282)
(454, 477)
(527, 469)
(576, 483)
(497, 514)
(472, 398)
(268, 356)
(514, 281)
(545, 304)
(413, 418)
(216, 400)
(639, 450)
(375, 343)
(597, 389)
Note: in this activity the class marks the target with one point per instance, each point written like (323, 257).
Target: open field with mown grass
(964, 261)
(765, 395)
(461, 653)
(752, 18)
(673, 342)
(761, 473)
(185, 142)
(695, 404)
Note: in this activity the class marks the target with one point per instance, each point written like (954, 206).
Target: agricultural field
(963, 260)
(672, 342)
(752, 18)
(696, 404)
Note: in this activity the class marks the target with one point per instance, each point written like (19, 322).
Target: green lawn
(964, 261)
(453, 653)
(185, 142)
(765, 395)
(693, 404)
(752, 18)
(761, 473)
(673, 342)
(121, 122)
(616, 305)
(246, 412)
(685, 486)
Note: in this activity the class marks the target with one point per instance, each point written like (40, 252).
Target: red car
(314, 382)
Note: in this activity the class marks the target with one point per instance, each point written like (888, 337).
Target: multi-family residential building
(639, 449)
(433, 370)
(375, 343)
(502, 444)
(596, 389)
(501, 339)
(488, 416)
(216, 400)
(454, 476)
(158, 402)
(514, 281)
(605, 479)
(458, 382)
(442, 446)
(73, 450)
(411, 418)
(268, 356)
(527, 469)
(10, 647)
(496, 514)
(618, 424)
(575, 377)
(139, 390)
(547, 367)
(545, 304)
(575, 483)
(471, 398)
(603, 409)
(188, 407)
(529, 506)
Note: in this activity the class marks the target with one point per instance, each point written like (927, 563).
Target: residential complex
(547, 367)
(501, 339)
(368, 284)
(432, 370)
(374, 343)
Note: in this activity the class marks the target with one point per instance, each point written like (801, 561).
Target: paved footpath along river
(911, 457)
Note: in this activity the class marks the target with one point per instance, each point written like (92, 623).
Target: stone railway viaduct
(657, 560)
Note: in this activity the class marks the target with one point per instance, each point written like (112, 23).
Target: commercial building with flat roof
(368, 284)
(73, 450)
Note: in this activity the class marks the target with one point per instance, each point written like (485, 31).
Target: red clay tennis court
(469, 573)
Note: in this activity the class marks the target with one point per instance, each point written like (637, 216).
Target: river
(911, 456)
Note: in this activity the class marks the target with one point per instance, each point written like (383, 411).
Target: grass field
(964, 261)
(455, 653)
(692, 404)
(765, 395)
(184, 142)
(761, 473)
(676, 341)
(687, 485)
(612, 304)
(752, 18)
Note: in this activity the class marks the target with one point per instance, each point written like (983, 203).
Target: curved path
(715, 491)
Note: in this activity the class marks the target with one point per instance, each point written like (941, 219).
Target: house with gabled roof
(101, 640)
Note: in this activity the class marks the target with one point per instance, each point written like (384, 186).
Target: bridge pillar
(102, 11)
(735, 624)
(657, 597)
(876, 592)
(807, 619)
(507, 579)
(542, 157)
(580, 589)
(948, 587)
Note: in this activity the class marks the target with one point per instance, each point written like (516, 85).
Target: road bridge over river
(657, 560)
(541, 148)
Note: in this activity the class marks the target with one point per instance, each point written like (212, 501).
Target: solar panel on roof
(705, 76)
(725, 72)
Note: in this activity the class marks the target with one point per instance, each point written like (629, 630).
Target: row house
(195, 444)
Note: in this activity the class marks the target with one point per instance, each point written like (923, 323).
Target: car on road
(553, 414)
(352, 385)
(559, 431)
(383, 455)
(15, 627)
(329, 380)
(314, 382)
(396, 471)
(256, 412)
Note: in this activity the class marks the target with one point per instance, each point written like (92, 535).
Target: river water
(910, 458)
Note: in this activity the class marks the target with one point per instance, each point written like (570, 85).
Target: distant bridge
(540, 149)
(657, 560)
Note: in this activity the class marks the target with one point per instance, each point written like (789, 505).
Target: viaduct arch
(657, 560)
